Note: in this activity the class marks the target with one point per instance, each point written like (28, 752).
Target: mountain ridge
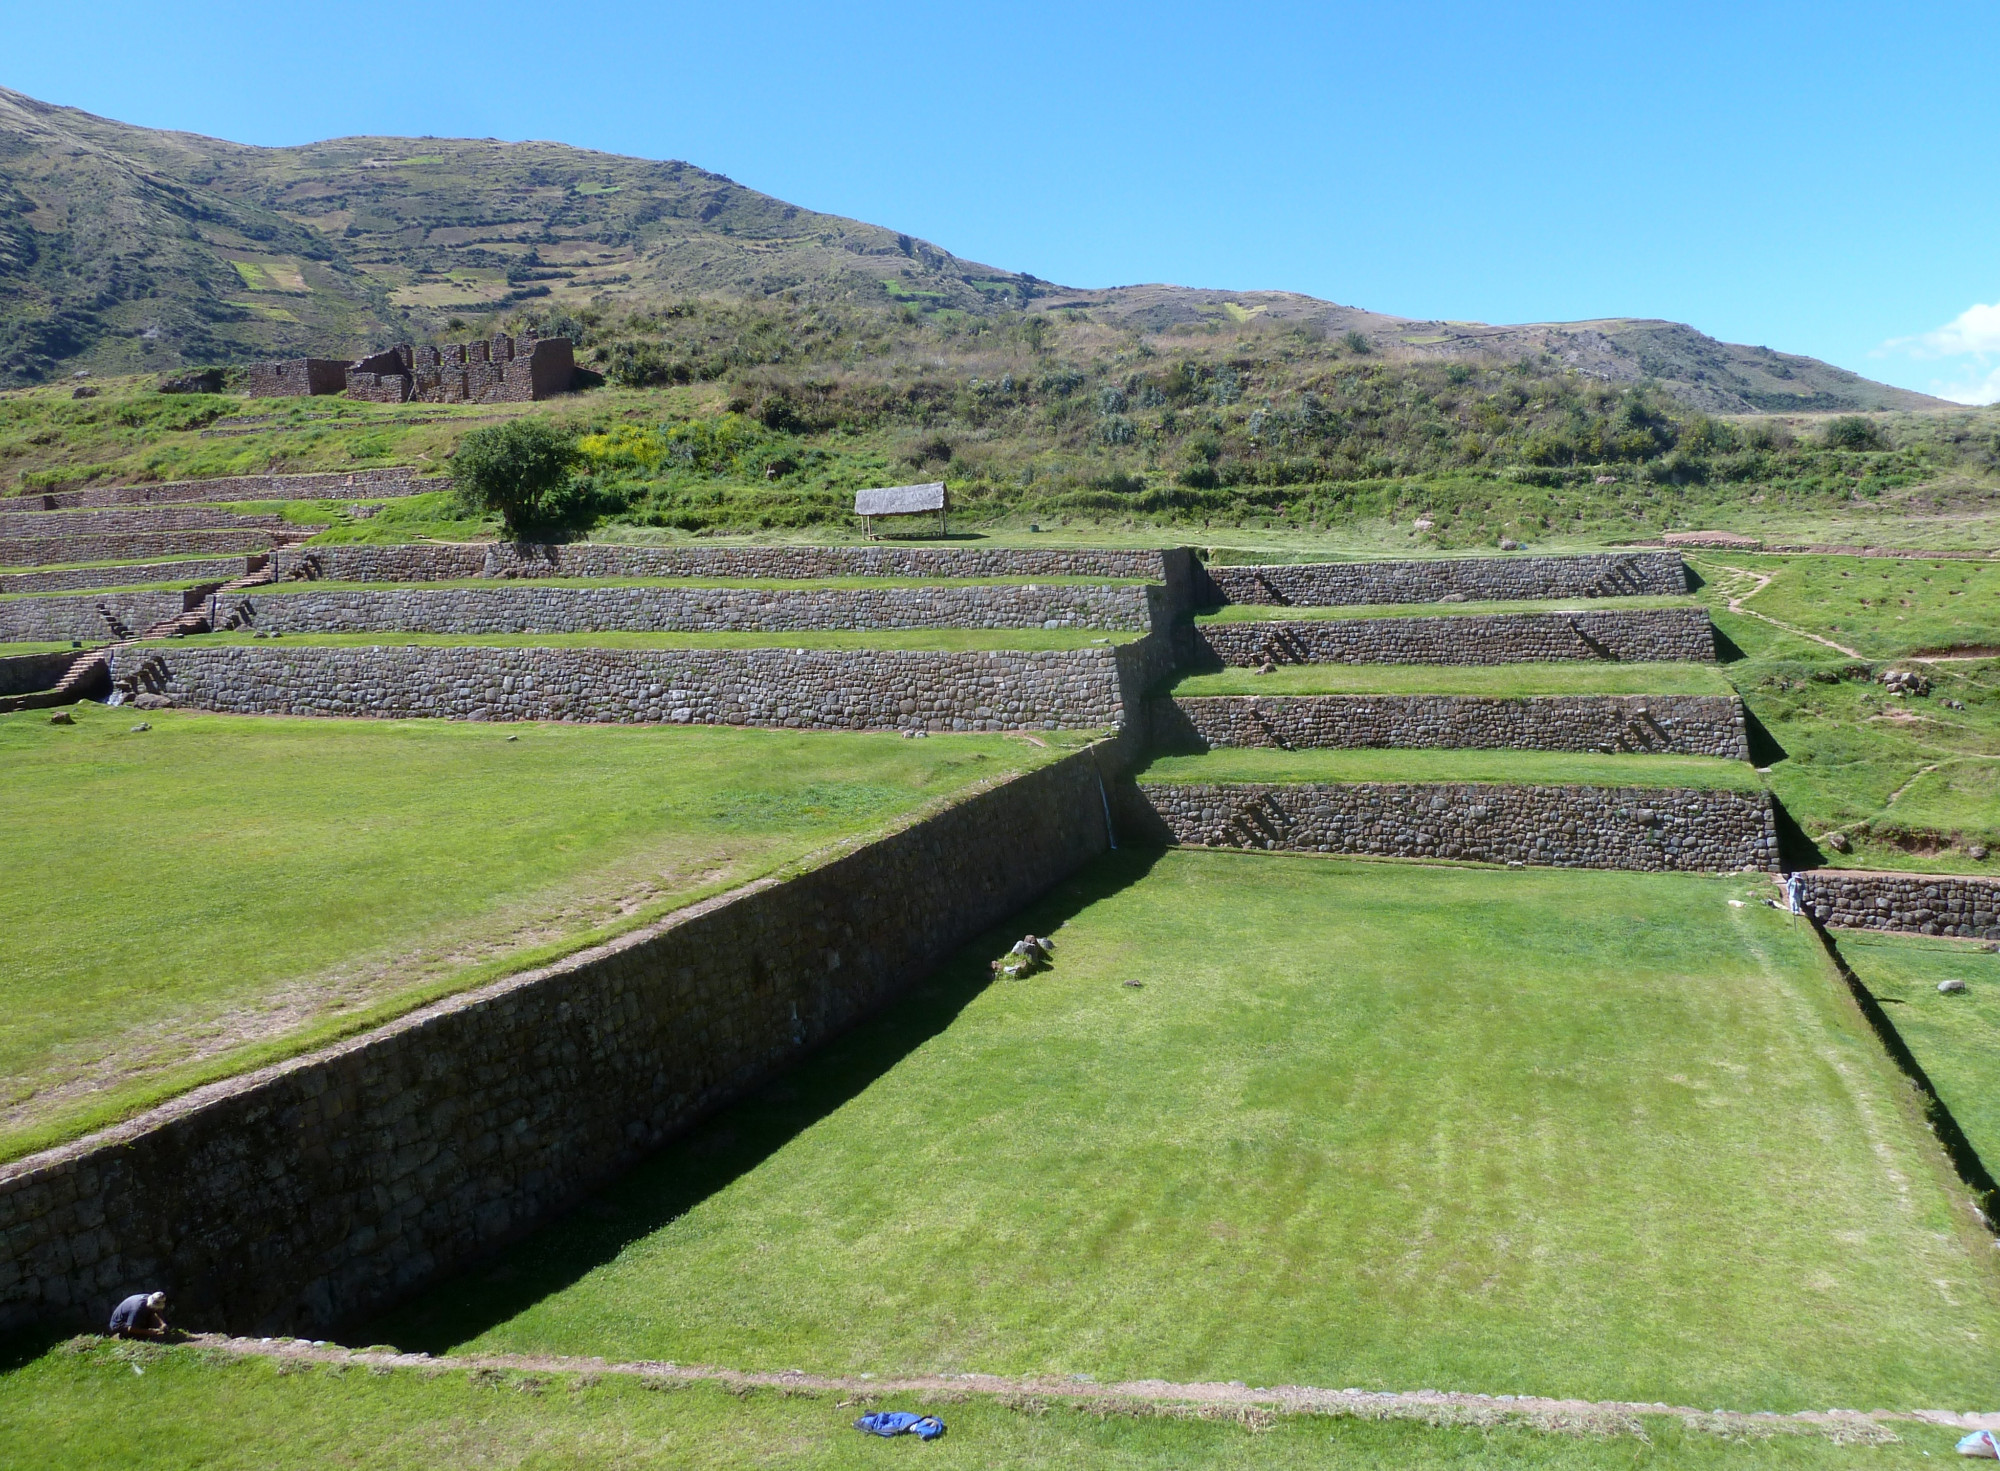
(133, 249)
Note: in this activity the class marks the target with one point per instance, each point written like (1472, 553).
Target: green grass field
(1384, 1126)
(941, 640)
(188, 1408)
(1502, 681)
(1529, 768)
(191, 899)
(1880, 607)
(1954, 1038)
(1263, 612)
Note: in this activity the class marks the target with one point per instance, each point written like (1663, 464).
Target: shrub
(1355, 342)
(1852, 431)
(524, 470)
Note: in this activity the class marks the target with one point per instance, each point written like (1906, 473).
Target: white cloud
(1976, 329)
(1973, 390)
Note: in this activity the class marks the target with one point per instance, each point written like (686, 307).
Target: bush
(525, 471)
(1852, 431)
(1355, 343)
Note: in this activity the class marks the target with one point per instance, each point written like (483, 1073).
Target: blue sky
(1816, 178)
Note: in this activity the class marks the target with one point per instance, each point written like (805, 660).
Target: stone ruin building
(501, 369)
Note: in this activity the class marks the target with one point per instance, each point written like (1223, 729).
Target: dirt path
(1233, 1400)
(1763, 580)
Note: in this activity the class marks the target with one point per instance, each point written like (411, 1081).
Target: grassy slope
(1370, 1125)
(185, 1409)
(1510, 681)
(1955, 1038)
(182, 901)
(1534, 768)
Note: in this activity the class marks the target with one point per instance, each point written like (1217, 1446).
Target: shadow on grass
(23, 1346)
(739, 1138)
(1764, 747)
(1796, 849)
(1727, 650)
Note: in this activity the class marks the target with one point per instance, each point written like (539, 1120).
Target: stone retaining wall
(45, 551)
(26, 674)
(527, 608)
(1468, 579)
(1643, 828)
(1966, 905)
(138, 518)
(397, 480)
(53, 620)
(1682, 725)
(318, 1192)
(82, 579)
(811, 689)
(1630, 635)
(1174, 567)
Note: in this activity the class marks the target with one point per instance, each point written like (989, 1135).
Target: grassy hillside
(128, 249)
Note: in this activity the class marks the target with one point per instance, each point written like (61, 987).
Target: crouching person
(142, 1315)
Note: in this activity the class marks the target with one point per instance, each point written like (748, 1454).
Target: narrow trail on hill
(1230, 1401)
(1763, 580)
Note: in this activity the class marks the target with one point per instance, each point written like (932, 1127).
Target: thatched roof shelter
(903, 500)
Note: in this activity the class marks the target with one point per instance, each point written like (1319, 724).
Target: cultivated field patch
(1294, 1120)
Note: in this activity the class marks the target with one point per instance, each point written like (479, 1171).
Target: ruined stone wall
(1681, 725)
(1643, 828)
(1966, 905)
(297, 378)
(528, 608)
(508, 559)
(318, 1192)
(49, 551)
(94, 618)
(83, 579)
(812, 689)
(22, 674)
(397, 480)
(1467, 579)
(1633, 635)
(45, 524)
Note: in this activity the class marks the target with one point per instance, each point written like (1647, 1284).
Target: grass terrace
(1879, 607)
(213, 892)
(8, 650)
(1307, 1121)
(941, 640)
(1954, 1038)
(1499, 681)
(1519, 768)
(1267, 612)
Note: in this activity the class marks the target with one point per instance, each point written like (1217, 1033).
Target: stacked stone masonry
(1643, 828)
(1471, 579)
(507, 559)
(398, 480)
(106, 616)
(500, 370)
(23, 674)
(1631, 635)
(1681, 725)
(831, 689)
(52, 524)
(542, 609)
(129, 574)
(297, 378)
(53, 551)
(1965, 905)
(316, 1193)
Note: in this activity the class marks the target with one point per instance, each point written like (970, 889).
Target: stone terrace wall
(1643, 828)
(1966, 905)
(24, 674)
(1682, 725)
(527, 608)
(1472, 579)
(1633, 635)
(318, 1192)
(53, 620)
(47, 551)
(813, 689)
(138, 518)
(83, 579)
(398, 480)
(505, 559)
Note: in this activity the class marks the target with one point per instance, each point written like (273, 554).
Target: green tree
(523, 469)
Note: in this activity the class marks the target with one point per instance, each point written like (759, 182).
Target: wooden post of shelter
(904, 500)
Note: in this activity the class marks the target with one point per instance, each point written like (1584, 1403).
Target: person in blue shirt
(142, 1315)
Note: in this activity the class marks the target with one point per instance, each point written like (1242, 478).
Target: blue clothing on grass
(901, 1422)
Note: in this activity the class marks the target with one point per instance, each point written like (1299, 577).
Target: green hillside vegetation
(1382, 1125)
(353, 869)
